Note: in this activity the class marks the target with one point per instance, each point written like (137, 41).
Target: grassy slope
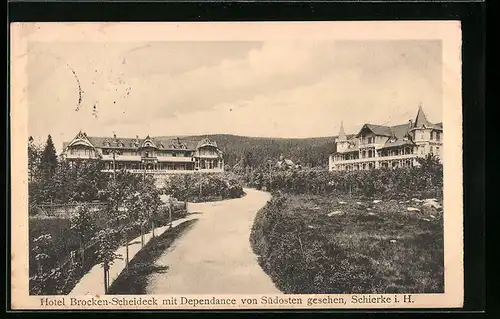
(143, 264)
(385, 249)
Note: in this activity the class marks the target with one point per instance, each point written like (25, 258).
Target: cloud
(273, 88)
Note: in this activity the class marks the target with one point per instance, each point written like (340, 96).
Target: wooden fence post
(170, 215)
(105, 280)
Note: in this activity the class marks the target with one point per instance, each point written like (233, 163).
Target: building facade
(146, 155)
(379, 146)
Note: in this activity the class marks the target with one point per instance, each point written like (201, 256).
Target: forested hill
(257, 150)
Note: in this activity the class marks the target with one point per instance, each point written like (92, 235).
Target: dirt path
(215, 256)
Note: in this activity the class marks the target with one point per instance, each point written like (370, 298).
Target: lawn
(326, 244)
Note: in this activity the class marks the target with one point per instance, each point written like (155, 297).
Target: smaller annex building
(380, 146)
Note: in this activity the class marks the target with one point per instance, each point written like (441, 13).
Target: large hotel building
(379, 146)
(147, 155)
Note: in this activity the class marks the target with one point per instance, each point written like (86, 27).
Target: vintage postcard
(263, 165)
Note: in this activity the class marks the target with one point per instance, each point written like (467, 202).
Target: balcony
(79, 156)
(208, 156)
(180, 159)
(167, 171)
(121, 158)
(376, 159)
(368, 145)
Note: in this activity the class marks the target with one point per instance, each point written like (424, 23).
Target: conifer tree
(49, 158)
(34, 156)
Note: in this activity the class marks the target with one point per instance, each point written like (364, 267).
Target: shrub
(425, 181)
(204, 187)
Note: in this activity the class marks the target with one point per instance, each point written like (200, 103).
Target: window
(432, 150)
(432, 135)
(87, 152)
(438, 136)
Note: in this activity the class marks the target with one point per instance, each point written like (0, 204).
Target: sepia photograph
(236, 165)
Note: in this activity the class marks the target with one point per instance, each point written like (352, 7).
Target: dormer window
(405, 138)
(392, 140)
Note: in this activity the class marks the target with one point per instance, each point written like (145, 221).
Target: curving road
(215, 256)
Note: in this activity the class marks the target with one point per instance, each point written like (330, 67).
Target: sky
(274, 89)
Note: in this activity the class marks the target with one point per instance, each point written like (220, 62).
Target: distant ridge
(310, 151)
(244, 136)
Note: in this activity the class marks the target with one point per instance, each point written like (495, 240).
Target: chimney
(114, 136)
(410, 123)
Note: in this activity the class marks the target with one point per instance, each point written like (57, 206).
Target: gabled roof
(206, 142)
(399, 131)
(80, 138)
(135, 143)
(380, 130)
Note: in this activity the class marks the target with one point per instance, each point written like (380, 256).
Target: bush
(204, 187)
(425, 180)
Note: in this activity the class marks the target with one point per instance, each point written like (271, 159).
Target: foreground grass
(321, 244)
(134, 281)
